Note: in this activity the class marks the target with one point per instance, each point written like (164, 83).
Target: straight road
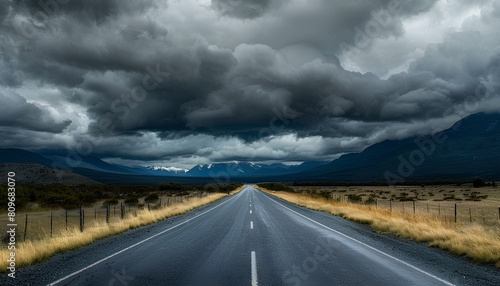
(253, 238)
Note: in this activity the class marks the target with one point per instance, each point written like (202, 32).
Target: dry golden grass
(31, 252)
(474, 241)
(429, 200)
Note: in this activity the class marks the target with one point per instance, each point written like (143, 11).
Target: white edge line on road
(366, 245)
(254, 270)
(251, 225)
(134, 245)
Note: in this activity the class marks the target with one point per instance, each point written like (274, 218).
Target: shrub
(354, 198)
(151, 198)
(170, 186)
(370, 200)
(477, 183)
(110, 202)
(326, 194)
(277, 187)
(132, 201)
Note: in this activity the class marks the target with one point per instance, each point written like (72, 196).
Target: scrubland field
(474, 205)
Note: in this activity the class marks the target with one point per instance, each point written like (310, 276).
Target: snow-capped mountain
(167, 169)
(245, 169)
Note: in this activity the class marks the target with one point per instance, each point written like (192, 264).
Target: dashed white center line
(250, 211)
(251, 225)
(254, 270)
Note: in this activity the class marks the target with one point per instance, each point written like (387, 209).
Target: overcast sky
(188, 82)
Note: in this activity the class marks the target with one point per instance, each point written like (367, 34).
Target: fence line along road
(39, 225)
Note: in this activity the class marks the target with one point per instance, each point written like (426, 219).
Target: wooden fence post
(455, 213)
(121, 210)
(25, 227)
(66, 213)
(413, 207)
(107, 214)
(50, 224)
(391, 205)
(81, 219)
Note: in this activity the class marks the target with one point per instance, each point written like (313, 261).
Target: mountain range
(99, 170)
(467, 150)
(249, 169)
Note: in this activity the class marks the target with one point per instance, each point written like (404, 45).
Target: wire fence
(40, 225)
(464, 212)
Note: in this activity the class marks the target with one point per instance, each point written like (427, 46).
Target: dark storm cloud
(209, 89)
(240, 8)
(245, 69)
(88, 11)
(16, 112)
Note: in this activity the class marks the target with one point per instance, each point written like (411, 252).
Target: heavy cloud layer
(240, 80)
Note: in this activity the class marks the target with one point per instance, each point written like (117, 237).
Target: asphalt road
(253, 238)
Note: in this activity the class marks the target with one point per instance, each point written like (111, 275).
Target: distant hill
(65, 158)
(12, 155)
(31, 173)
(467, 150)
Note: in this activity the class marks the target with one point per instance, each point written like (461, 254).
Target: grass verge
(31, 252)
(473, 241)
